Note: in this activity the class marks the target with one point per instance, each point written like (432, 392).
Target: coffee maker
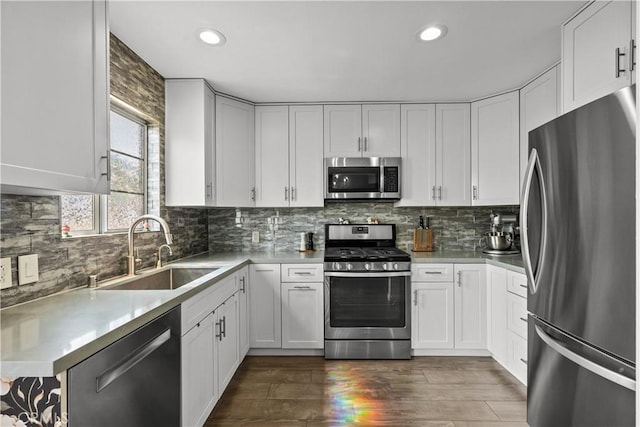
(503, 237)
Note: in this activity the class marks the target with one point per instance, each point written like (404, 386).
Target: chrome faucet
(159, 263)
(131, 259)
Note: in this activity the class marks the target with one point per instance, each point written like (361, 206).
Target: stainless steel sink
(171, 278)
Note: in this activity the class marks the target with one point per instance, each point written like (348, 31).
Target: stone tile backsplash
(455, 228)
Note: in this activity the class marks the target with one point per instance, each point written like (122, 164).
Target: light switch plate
(255, 237)
(27, 269)
(5, 273)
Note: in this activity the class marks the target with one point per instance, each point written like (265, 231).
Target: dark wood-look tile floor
(424, 391)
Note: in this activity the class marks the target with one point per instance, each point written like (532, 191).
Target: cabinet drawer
(302, 272)
(517, 283)
(199, 306)
(517, 356)
(432, 272)
(517, 315)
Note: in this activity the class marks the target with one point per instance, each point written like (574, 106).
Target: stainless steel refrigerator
(578, 245)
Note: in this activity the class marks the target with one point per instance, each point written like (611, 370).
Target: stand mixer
(503, 237)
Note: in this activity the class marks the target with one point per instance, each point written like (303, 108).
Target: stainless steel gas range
(367, 293)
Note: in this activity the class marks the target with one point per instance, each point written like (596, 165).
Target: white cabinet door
(189, 143)
(453, 151)
(589, 60)
(470, 306)
(265, 306)
(302, 315)
(497, 313)
(495, 150)
(227, 356)
(418, 152)
(235, 159)
(432, 315)
(381, 130)
(272, 156)
(539, 103)
(55, 97)
(306, 176)
(517, 358)
(243, 311)
(343, 131)
(199, 393)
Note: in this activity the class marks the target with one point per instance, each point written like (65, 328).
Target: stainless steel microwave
(362, 178)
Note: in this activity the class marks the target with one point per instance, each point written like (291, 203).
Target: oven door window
(354, 180)
(357, 302)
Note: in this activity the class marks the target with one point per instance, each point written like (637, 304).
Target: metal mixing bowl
(498, 240)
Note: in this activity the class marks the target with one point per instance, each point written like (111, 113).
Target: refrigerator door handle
(586, 363)
(534, 161)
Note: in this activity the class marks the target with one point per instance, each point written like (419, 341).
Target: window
(134, 181)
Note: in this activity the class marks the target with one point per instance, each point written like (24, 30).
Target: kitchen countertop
(49, 335)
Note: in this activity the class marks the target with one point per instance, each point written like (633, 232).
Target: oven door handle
(355, 274)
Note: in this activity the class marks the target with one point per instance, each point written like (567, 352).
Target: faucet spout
(131, 259)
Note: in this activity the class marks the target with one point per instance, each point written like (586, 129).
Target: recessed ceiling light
(212, 37)
(432, 32)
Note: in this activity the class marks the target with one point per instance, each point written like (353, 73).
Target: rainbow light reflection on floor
(351, 397)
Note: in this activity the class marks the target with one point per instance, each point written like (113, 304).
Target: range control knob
(349, 266)
(337, 266)
(367, 266)
(396, 266)
(385, 266)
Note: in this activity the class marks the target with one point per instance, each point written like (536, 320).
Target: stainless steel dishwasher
(133, 382)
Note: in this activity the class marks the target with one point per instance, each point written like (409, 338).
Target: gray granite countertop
(47, 336)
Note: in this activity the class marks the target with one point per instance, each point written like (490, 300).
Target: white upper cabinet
(235, 156)
(272, 156)
(190, 144)
(596, 52)
(55, 97)
(370, 130)
(305, 156)
(495, 150)
(289, 156)
(539, 103)
(436, 155)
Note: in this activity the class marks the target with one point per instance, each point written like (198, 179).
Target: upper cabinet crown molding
(598, 52)
(55, 124)
(495, 150)
(368, 130)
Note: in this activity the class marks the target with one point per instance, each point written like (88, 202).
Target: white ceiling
(312, 51)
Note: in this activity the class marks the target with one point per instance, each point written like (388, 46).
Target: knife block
(422, 240)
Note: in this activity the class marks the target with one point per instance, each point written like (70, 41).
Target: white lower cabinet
(497, 313)
(449, 308)
(210, 348)
(199, 393)
(265, 306)
(226, 354)
(243, 311)
(302, 315)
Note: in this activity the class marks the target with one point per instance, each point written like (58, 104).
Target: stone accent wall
(454, 228)
(30, 224)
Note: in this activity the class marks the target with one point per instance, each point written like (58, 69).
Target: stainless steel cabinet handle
(433, 192)
(264, 269)
(365, 144)
(586, 363)
(534, 161)
(359, 144)
(415, 297)
(219, 325)
(302, 273)
(108, 160)
(243, 289)
(475, 192)
(440, 192)
(524, 319)
(224, 327)
(286, 193)
(618, 69)
(632, 56)
(209, 190)
(459, 282)
(301, 287)
(523, 361)
(293, 194)
(111, 374)
(439, 273)
(524, 286)
(253, 194)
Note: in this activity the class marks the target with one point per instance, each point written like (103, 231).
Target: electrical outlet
(5, 273)
(255, 237)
